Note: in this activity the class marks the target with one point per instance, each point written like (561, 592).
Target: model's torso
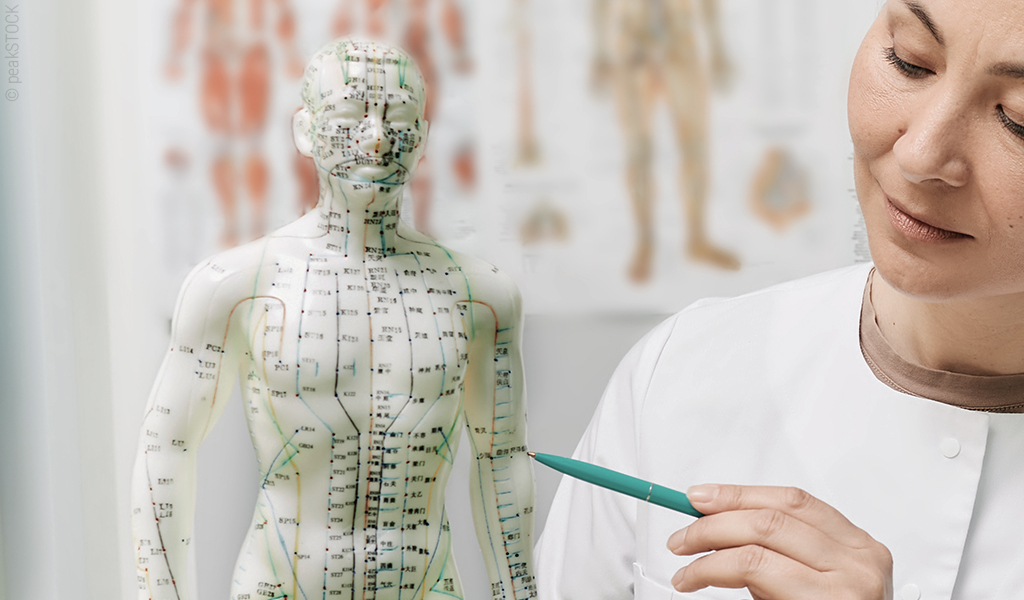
(650, 22)
(352, 383)
(232, 26)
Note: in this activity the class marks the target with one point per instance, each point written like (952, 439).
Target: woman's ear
(302, 132)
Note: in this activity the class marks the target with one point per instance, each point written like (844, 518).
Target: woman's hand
(781, 544)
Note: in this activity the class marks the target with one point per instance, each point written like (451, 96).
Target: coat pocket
(645, 588)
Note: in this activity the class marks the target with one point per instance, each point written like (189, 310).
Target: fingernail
(675, 541)
(702, 493)
(678, 577)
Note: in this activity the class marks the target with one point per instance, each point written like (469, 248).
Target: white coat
(771, 388)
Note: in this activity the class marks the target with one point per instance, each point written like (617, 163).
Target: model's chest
(373, 337)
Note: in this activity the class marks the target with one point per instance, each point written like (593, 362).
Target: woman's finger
(767, 574)
(718, 498)
(766, 527)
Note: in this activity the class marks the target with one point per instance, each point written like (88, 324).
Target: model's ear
(424, 130)
(302, 132)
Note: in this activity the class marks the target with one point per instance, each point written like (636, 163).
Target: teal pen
(619, 482)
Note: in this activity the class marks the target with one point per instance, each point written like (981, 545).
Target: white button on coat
(910, 592)
(950, 448)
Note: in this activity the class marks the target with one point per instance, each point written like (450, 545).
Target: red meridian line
(224, 340)
(497, 326)
(160, 535)
(369, 462)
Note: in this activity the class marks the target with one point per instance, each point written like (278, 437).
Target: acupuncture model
(363, 347)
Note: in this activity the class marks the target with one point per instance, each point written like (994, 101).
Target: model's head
(936, 113)
(362, 116)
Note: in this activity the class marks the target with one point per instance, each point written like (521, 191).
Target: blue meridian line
(298, 354)
(266, 539)
(288, 442)
(284, 544)
(433, 555)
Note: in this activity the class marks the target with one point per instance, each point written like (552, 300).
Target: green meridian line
(403, 64)
(469, 291)
(448, 456)
(266, 406)
(283, 464)
(255, 287)
(343, 61)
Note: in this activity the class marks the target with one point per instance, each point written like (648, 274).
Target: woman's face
(937, 117)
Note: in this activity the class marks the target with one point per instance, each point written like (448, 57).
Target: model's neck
(359, 217)
(982, 336)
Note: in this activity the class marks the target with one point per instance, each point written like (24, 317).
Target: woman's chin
(917, 278)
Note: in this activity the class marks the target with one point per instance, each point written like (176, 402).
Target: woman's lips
(916, 229)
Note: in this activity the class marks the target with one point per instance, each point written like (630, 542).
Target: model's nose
(373, 140)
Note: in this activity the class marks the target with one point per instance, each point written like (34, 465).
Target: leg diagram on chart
(544, 221)
(236, 43)
(778, 188)
(527, 147)
(649, 51)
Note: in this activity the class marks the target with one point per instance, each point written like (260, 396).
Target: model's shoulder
(237, 267)
(484, 282)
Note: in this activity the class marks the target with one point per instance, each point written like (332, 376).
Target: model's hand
(341, 24)
(463, 62)
(295, 67)
(173, 70)
(722, 70)
(781, 544)
(600, 74)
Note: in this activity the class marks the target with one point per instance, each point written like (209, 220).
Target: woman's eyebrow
(915, 7)
(1013, 70)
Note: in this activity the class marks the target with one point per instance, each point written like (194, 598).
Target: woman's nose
(373, 139)
(933, 146)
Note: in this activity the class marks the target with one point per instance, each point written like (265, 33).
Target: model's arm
(286, 33)
(192, 387)
(600, 68)
(501, 476)
(721, 68)
(181, 36)
(454, 31)
(341, 22)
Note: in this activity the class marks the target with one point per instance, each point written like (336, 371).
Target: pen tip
(531, 454)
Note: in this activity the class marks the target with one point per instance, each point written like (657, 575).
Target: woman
(892, 394)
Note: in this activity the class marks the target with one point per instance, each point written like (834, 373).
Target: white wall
(59, 507)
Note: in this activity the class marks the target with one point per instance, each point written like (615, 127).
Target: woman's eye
(910, 70)
(1012, 126)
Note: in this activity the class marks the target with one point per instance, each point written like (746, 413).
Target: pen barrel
(673, 500)
(620, 482)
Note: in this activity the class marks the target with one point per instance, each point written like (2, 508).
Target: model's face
(369, 125)
(937, 117)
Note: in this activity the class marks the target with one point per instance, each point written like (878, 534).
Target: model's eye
(910, 70)
(346, 113)
(401, 116)
(1012, 126)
